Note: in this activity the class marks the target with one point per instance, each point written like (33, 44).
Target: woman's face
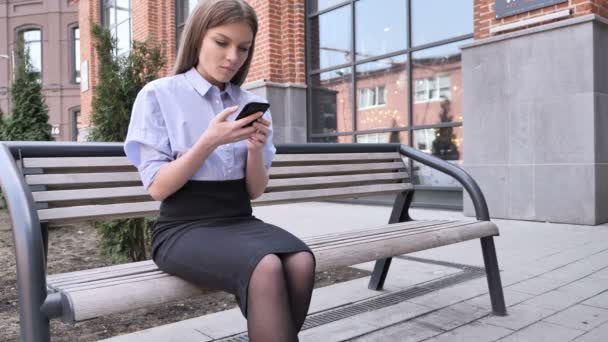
(223, 51)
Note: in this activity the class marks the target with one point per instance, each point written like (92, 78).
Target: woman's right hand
(222, 132)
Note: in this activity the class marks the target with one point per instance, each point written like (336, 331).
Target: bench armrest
(479, 201)
(29, 246)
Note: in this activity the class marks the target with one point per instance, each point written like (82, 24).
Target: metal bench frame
(31, 236)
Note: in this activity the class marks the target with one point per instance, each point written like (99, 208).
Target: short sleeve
(147, 144)
(269, 150)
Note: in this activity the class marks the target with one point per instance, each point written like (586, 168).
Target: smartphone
(252, 108)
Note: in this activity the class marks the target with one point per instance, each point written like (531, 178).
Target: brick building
(50, 31)
(520, 86)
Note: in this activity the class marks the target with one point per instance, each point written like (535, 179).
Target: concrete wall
(536, 105)
(288, 108)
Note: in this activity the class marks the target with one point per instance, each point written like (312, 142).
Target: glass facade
(389, 71)
(116, 16)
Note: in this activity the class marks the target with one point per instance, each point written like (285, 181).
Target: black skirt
(206, 234)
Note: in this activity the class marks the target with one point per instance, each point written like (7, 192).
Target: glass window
(381, 93)
(377, 109)
(117, 18)
(435, 20)
(183, 8)
(75, 74)
(76, 124)
(319, 5)
(442, 142)
(332, 102)
(331, 36)
(437, 85)
(380, 29)
(32, 43)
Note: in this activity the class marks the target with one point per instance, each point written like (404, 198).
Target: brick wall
(485, 15)
(89, 11)
(279, 55)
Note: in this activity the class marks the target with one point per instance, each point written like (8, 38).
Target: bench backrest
(82, 188)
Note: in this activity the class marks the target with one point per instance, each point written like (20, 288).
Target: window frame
(74, 67)
(19, 31)
(107, 4)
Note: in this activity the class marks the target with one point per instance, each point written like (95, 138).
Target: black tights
(278, 297)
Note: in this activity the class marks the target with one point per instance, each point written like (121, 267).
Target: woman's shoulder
(167, 84)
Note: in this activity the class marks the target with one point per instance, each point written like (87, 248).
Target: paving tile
(167, 333)
(453, 316)
(567, 295)
(219, 324)
(599, 334)
(478, 332)
(599, 301)
(337, 331)
(520, 315)
(406, 273)
(544, 332)
(404, 332)
(511, 298)
(453, 294)
(364, 323)
(536, 286)
(581, 317)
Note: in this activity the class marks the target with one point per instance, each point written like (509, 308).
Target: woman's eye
(244, 49)
(221, 43)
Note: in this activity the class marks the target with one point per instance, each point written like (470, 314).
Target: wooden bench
(49, 183)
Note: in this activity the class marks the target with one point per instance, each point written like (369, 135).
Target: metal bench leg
(493, 275)
(379, 275)
(398, 214)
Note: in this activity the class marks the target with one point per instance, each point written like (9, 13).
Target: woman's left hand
(256, 141)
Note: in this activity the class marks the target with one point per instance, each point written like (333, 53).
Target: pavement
(555, 281)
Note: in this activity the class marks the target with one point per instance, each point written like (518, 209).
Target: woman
(205, 167)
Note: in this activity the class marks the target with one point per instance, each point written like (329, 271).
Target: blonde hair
(209, 14)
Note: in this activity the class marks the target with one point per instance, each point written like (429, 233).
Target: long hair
(209, 14)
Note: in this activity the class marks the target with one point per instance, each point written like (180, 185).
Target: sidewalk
(555, 279)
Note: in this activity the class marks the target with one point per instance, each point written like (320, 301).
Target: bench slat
(109, 272)
(88, 194)
(329, 193)
(91, 162)
(273, 185)
(105, 211)
(82, 178)
(97, 298)
(141, 209)
(333, 169)
(331, 157)
(75, 162)
(117, 177)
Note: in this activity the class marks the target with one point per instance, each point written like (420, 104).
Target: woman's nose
(232, 55)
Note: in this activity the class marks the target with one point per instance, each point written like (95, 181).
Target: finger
(261, 128)
(245, 131)
(264, 121)
(249, 119)
(260, 137)
(223, 115)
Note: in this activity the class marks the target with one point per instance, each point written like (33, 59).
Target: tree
(2, 124)
(30, 114)
(443, 145)
(120, 79)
